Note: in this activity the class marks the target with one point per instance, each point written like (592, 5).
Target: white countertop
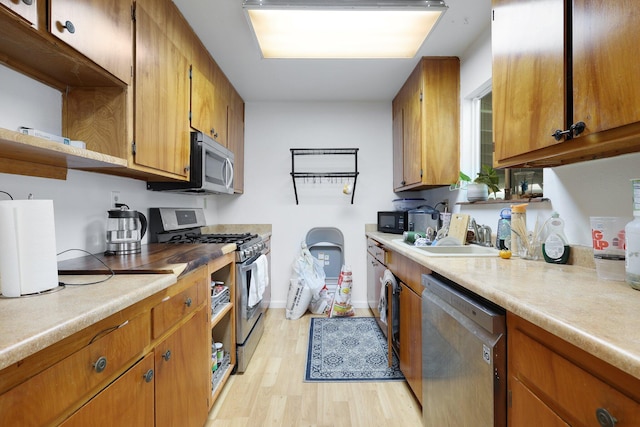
(569, 301)
(30, 324)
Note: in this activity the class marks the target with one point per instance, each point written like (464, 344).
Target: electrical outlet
(115, 198)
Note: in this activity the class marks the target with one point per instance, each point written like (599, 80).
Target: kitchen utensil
(125, 230)
(458, 227)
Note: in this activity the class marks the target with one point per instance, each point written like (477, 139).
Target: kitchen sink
(452, 251)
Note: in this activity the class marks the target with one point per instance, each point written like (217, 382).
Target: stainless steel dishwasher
(463, 357)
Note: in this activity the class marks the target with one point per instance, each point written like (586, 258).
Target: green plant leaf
(464, 177)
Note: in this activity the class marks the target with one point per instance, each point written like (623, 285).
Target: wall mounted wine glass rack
(331, 176)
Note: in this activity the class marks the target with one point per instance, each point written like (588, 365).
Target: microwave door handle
(228, 173)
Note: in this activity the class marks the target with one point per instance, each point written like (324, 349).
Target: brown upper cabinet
(558, 65)
(124, 80)
(99, 29)
(426, 126)
(161, 118)
(27, 9)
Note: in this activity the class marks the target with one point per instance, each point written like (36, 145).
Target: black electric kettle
(125, 230)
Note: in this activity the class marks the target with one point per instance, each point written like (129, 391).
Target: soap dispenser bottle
(555, 248)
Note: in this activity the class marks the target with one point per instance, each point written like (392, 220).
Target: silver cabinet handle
(605, 419)
(148, 376)
(188, 302)
(167, 355)
(27, 2)
(69, 26)
(100, 364)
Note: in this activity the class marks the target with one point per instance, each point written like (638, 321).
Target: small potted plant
(485, 182)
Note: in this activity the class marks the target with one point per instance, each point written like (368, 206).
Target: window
(523, 183)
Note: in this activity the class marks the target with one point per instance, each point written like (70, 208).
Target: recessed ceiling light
(342, 29)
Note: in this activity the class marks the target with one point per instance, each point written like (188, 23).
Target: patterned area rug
(348, 349)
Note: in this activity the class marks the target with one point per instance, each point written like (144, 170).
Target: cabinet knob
(69, 26)
(100, 364)
(27, 2)
(188, 302)
(167, 355)
(605, 419)
(148, 376)
(574, 130)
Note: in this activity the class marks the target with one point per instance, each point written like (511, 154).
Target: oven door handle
(248, 264)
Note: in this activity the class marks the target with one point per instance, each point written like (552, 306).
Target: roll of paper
(28, 262)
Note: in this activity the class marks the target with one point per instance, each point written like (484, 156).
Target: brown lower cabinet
(410, 335)
(127, 401)
(149, 364)
(554, 383)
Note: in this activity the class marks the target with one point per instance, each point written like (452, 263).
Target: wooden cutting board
(458, 227)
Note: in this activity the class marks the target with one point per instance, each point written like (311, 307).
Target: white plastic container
(607, 234)
(632, 241)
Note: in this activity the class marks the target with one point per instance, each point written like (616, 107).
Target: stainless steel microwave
(211, 169)
(396, 222)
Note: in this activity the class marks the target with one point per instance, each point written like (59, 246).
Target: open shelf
(52, 159)
(350, 174)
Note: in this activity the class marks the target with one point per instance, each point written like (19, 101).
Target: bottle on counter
(518, 225)
(632, 241)
(555, 248)
(503, 233)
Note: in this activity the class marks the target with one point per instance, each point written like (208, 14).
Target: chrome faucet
(481, 234)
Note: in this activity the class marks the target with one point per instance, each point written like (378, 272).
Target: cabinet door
(606, 87)
(23, 8)
(202, 103)
(127, 401)
(526, 407)
(235, 138)
(408, 129)
(183, 380)
(411, 338)
(528, 75)
(99, 29)
(161, 90)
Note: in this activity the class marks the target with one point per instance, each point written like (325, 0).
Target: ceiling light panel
(346, 29)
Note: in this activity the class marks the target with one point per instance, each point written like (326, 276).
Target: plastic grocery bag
(341, 306)
(306, 284)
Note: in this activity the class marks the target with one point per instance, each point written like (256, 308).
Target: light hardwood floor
(272, 391)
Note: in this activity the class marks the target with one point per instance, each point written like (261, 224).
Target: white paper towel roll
(28, 261)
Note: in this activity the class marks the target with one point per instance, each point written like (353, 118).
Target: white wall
(271, 129)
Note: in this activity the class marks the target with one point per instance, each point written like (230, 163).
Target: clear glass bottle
(632, 241)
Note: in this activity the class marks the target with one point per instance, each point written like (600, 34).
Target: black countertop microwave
(396, 222)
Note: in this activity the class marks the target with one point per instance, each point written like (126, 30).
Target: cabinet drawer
(377, 251)
(175, 307)
(48, 395)
(571, 391)
(127, 401)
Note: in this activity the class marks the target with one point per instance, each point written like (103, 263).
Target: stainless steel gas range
(184, 226)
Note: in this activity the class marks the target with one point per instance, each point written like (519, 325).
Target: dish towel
(259, 280)
(388, 279)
